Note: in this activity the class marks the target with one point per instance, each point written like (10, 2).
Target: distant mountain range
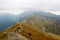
(36, 19)
(7, 19)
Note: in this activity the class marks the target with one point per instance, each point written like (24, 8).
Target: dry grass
(35, 35)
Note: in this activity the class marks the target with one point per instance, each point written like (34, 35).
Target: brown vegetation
(31, 33)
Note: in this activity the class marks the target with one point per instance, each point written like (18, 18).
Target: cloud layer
(44, 5)
(52, 5)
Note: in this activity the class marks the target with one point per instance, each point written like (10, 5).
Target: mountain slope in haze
(6, 20)
(9, 19)
(44, 21)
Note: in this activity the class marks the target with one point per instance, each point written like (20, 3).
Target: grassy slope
(35, 35)
(42, 23)
(39, 35)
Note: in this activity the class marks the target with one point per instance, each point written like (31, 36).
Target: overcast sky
(20, 5)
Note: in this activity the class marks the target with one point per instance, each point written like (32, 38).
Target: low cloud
(45, 5)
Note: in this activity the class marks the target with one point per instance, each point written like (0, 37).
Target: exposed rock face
(15, 36)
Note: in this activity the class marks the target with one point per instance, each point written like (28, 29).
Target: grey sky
(33, 4)
(46, 5)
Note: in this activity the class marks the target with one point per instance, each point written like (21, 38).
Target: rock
(15, 36)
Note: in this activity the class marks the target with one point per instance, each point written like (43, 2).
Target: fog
(16, 6)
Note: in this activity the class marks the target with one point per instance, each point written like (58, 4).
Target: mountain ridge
(10, 19)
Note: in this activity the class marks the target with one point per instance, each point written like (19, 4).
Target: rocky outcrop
(15, 36)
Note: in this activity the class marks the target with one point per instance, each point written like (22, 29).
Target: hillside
(28, 33)
(7, 19)
(32, 25)
(43, 23)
